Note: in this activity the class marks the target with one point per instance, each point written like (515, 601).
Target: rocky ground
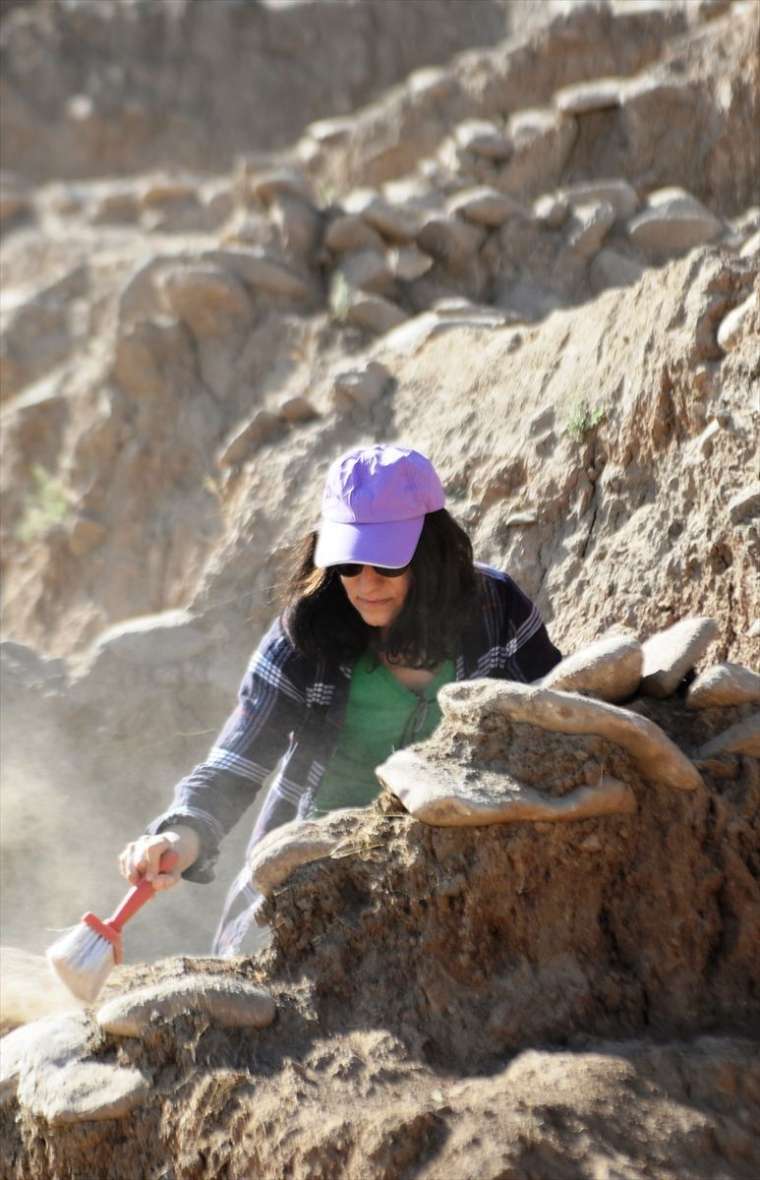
(538, 263)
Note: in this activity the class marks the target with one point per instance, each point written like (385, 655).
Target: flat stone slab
(297, 843)
(670, 655)
(657, 757)
(455, 797)
(483, 139)
(223, 999)
(742, 738)
(617, 192)
(723, 685)
(609, 669)
(82, 1091)
(583, 97)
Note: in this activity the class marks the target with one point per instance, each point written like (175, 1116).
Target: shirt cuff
(202, 870)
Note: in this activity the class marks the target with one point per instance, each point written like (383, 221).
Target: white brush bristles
(82, 960)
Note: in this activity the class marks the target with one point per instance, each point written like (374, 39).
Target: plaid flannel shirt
(286, 724)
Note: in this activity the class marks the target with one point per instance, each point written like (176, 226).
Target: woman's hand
(140, 859)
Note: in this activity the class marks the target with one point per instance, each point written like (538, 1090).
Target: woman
(384, 607)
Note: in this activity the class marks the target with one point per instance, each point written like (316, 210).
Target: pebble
(373, 312)
(673, 221)
(445, 797)
(449, 239)
(588, 227)
(618, 193)
(745, 505)
(657, 757)
(361, 386)
(350, 232)
(736, 325)
(297, 843)
(82, 1091)
(367, 270)
(551, 210)
(609, 669)
(485, 206)
(670, 655)
(742, 738)
(723, 685)
(223, 999)
(483, 139)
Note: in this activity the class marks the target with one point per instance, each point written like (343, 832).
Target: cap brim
(391, 543)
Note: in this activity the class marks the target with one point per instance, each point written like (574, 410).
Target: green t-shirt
(382, 715)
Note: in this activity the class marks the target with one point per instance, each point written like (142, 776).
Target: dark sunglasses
(350, 570)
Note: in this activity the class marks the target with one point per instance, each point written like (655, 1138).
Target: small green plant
(340, 296)
(46, 505)
(583, 418)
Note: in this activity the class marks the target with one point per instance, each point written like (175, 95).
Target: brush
(83, 957)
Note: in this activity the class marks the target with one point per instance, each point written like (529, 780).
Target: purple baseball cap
(374, 506)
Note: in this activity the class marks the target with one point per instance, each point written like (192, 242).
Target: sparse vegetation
(583, 418)
(47, 505)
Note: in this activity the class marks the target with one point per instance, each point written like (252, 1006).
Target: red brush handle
(139, 894)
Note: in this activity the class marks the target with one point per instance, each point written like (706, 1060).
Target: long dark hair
(441, 600)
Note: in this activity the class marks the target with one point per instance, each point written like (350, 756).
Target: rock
(673, 221)
(542, 140)
(350, 232)
(166, 190)
(15, 202)
(361, 386)
(618, 193)
(374, 313)
(446, 797)
(171, 636)
(82, 1091)
(367, 270)
(450, 240)
(223, 999)
(484, 206)
(742, 738)
(521, 520)
(277, 183)
(432, 82)
(584, 97)
(208, 299)
(397, 223)
(85, 535)
(609, 669)
(588, 227)
(737, 324)
(297, 409)
(723, 685)
(407, 263)
(670, 655)
(297, 843)
(551, 210)
(331, 131)
(116, 205)
(751, 246)
(299, 225)
(745, 505)
(483, 139)
(657, 757)
(259, 269)
(43, 1044)
(611, 269)
(261, 428)
(147, 351)
(413, 333)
